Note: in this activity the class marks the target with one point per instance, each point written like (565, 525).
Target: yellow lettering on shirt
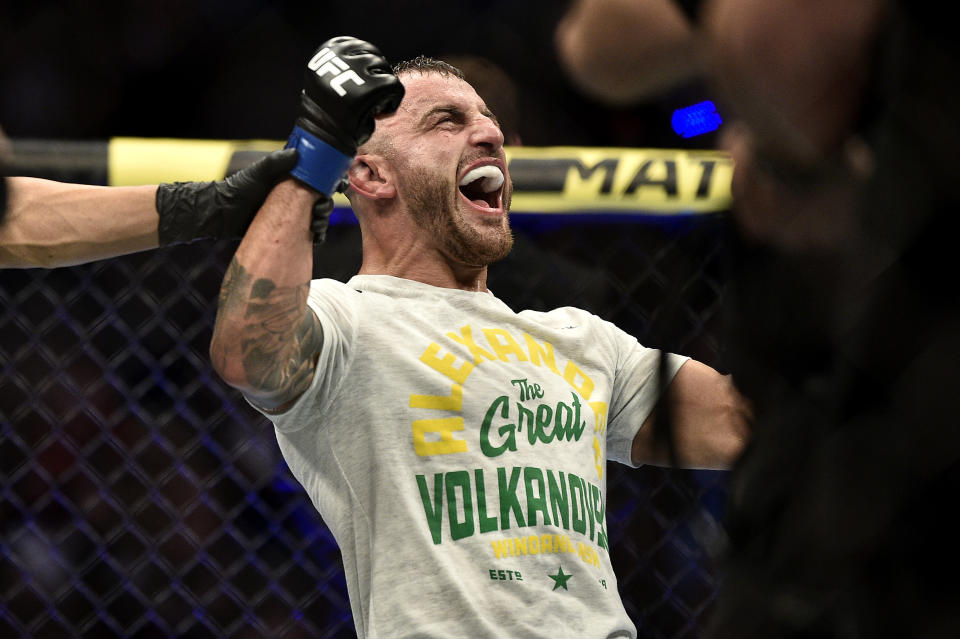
(501, 547)
(453, 401)
(519, 546)
(599, 417)
(537, 351)
(445, 427)
(508, 547)
(599, 428)
(578, 380)
(466, 338)
(445, 364)
(587, 554)
(503, 344)
(533, 542)
(546, 544)
(598, 457)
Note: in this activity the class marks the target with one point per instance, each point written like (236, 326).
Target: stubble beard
(434, 205)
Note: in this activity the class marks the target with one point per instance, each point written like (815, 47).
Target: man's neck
(394, 245)
(443, 275)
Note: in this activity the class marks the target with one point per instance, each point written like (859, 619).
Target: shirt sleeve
(636, 389)
(334, 305)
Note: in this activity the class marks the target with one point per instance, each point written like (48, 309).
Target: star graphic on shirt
(560, 579)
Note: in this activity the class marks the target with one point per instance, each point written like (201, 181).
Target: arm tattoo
(281, 337)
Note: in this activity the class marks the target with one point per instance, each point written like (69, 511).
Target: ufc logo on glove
(333, 122)
(327, 62)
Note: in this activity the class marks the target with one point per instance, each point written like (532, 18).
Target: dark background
(215, 69)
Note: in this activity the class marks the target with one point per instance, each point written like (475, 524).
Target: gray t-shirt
(457, 451)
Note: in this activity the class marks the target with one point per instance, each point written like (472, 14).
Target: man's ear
(371, 176)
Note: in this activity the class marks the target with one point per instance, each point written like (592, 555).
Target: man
(797, 97)
(455, 448)
(48, 224)
(845, 215)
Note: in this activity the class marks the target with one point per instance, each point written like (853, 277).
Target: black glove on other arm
(219, 210)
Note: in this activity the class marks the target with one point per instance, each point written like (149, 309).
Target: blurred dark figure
(844, 332)
(621, 52)
(844, 322)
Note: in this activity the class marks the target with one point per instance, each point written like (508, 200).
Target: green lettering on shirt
(459, 529)
(487, 523)
(578, 506)
(434, 513)
(507, 431)
(536, 499)
(508, 498)
(558, 499)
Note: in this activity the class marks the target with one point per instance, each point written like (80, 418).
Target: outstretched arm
(710, 421)
(49, 224)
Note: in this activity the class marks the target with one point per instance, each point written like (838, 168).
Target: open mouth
(483, 186)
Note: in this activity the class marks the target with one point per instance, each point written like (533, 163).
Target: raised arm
(266, 340)
(710, 421)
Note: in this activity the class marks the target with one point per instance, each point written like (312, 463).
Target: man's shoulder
(588, 325)
(563, 316)
(333, 297)
(329, 286)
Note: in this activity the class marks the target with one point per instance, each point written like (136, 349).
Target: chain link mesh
(141, 497)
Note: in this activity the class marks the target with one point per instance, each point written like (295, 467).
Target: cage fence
(141, 497)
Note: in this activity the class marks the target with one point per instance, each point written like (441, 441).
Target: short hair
(422, 64)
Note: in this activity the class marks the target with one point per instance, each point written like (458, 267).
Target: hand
(219, 210)
(347, 83)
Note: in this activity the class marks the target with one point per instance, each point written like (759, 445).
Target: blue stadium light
(696, 119)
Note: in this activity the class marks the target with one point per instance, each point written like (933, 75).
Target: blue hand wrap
(319, 164)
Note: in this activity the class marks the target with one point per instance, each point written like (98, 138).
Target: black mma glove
(321, 218)
(346, 84)
(219, 210)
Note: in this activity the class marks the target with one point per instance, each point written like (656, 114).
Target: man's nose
(486, 133)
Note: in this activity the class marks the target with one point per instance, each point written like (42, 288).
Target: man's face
(447, 150)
